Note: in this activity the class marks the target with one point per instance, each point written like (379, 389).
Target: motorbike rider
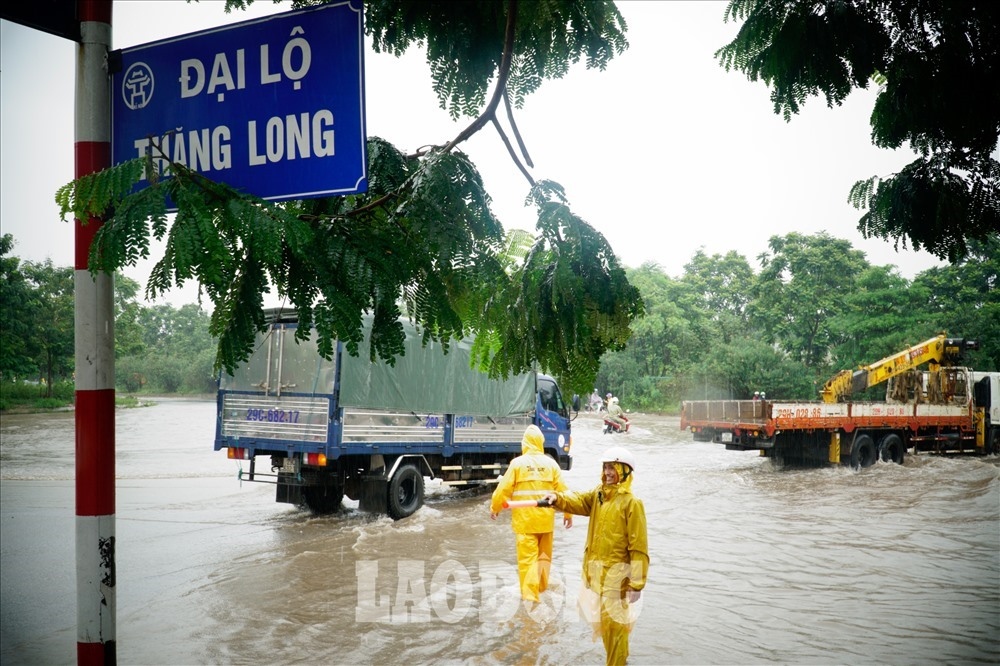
(615, 413)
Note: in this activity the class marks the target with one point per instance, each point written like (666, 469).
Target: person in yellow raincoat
(531, 476)
(616, 555)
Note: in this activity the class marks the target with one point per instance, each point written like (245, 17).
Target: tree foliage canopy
(938, 68)
(718, 330)
(804, 281)
(814, 306)
(423, 240)
(16, 348)
(36, 318)
(466, 47)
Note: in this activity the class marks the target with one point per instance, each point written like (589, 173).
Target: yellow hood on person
(529, 477)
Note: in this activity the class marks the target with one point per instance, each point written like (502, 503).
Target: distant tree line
(814, 306)
(158, 348)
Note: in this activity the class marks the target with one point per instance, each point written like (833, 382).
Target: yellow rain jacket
(615, 558)
(530, 476)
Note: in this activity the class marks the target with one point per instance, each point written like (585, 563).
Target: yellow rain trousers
(615, 559)
(530, 476)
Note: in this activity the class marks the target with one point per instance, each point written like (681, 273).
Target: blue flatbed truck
(373, 431)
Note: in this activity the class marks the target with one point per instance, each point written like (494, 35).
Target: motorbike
(612, 427)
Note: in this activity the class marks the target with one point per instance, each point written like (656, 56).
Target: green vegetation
(34, 395)
(158, 349)
(36, 329)
(423, 239)
(937, 68)
(813, 306)
(29, 396)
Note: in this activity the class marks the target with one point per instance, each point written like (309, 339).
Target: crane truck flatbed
(946, 409)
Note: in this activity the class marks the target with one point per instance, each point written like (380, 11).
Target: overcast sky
(664, 152)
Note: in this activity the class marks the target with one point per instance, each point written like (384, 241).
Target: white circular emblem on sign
(137, 86)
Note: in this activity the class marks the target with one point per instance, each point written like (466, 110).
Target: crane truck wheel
(891, 449)
(406, 492)
(994, 447)
(863, 452)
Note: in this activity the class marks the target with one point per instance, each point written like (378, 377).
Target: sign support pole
(94, 329)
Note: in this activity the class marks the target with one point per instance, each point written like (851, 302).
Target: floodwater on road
(750, 564)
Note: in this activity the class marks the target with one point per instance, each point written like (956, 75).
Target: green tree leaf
(803, 284)
(423, 240)
(938, 68)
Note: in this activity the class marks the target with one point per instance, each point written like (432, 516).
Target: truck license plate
(727, 437)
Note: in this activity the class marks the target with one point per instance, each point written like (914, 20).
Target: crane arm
(936, 351)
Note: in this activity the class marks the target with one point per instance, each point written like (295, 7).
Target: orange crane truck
(945, 408)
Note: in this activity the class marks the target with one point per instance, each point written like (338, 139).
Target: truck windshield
(550, 396)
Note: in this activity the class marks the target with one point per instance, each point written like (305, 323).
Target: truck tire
(863, 452)
(322, 500)
(993, 448)
(406, 492)
(891, 449)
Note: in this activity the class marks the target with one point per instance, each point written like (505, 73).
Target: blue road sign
(272, 106)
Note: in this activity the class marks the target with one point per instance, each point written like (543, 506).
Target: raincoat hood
(530, 476)
(533, 441)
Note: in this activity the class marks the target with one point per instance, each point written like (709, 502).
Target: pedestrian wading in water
(616, 554)
(530, 477)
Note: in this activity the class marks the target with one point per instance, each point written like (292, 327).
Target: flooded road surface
(749, 564)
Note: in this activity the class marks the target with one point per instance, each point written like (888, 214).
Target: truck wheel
(406, 492)
(322, 499)
(863, 452)
(891, 449)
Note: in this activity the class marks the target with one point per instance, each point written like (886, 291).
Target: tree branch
(510, 149)
(488, 114)
(517, 134)
(502, 75)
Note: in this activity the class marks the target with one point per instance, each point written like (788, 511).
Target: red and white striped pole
(95, 359)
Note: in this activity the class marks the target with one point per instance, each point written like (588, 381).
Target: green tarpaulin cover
(426, 380)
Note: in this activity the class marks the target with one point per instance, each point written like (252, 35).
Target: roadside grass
(31, 397)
